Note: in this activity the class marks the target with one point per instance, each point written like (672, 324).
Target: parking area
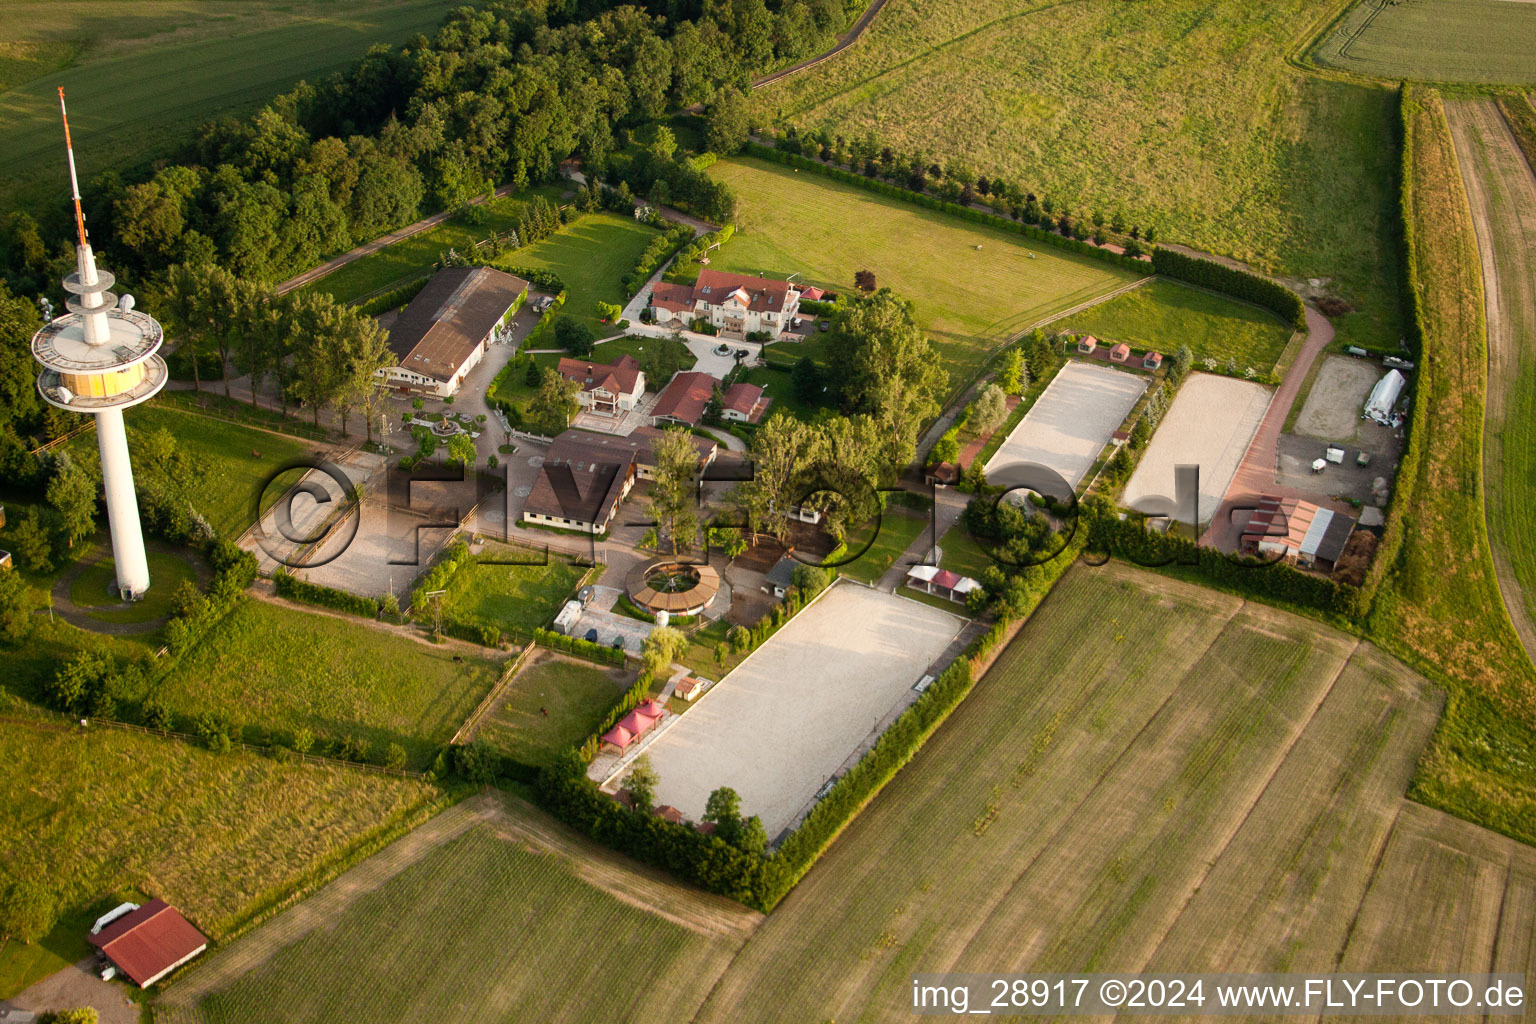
(787, 718)
(1210, 425)
(1070, 423)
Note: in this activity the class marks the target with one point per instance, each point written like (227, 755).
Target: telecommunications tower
(99, 359)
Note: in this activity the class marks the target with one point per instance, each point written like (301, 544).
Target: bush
(394, 298)
(476, 763)
(295, 589)
(573, 336)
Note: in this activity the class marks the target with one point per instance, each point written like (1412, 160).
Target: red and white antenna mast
(74, 182)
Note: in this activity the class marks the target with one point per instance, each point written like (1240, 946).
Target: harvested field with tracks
(1485, 41)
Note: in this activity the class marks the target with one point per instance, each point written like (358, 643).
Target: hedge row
(1239, 284)
(290, 586)
(393, 298)
(706, 860)
(699, 246)
(662, 248)
(577, 646)
(544, 280)
(1030, 231)
(437, 577)
(810, 307)
(1128, 538)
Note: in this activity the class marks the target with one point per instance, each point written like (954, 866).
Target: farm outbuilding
(1298, 531)
(634, 726)
(1086, 345)
(1152, 361)
(1120, 353)
(1384, 396)
(930, 579)
(150, 942)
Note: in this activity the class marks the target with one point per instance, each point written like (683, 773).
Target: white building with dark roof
(448, 326)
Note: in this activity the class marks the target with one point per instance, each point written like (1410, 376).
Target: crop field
(238, 459)
(1439, 601)
(140, 76)
(413, 257)
(786, 719)
(1164, 315)
(974, 286)
(493, 911)
(1210, 424)
(511, 597)
(1502, 191)
(1487, 41)
(216, 835)
(553, 703)
(1139, 756)
(1070, 424)
(590, 256)
(279, 669)
(1183, 116)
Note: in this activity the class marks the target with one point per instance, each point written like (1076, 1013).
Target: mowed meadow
(1158, 777)
(1482, 41)
(491, 911)
(1182, 115)
(140, 76)
(973, 286)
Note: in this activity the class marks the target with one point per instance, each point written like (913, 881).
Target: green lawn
(239, 460)
(98, 815)
(575, 693)
(1486, 41)
(962, 554)
(144, 74)
(590, 256)
(513, 597)
(278, 669)
(167, 571)
(973, 285)
(414, 257)
(1184, 116)
(1163, 315)
(898, 529)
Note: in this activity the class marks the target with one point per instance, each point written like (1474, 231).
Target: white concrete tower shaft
(99, 359)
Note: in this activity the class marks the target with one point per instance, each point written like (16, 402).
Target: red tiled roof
(150, 941)
(813, 293)
(685, 397)
(757, 293)
(1120, 351)
(946, 579)
(666, 812)
(675, 297)
(618, 377)
(743, 397)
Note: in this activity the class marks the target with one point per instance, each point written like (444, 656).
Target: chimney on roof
(589, 369)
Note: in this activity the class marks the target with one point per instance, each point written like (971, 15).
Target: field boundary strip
(513, 668)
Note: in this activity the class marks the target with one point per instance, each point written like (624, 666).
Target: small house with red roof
(1120, 353)
(634, 726)
(1087, 344)
(930, 579)
(150, 942)
(610, 388)
(744, 403)
(684, 399)
(1152, 360)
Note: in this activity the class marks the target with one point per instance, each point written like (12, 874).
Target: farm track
(713, 917)
(1501, 192)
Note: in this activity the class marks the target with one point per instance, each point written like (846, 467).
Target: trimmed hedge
(1239, 284)
(1128, 538)
(1406, 483)
(392, 298)
(662, 248)
(290, 586)
(1030, 231)
(437, 577)
(577, 646)
(699, 246)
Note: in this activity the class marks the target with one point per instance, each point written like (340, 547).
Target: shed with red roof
(150, 942)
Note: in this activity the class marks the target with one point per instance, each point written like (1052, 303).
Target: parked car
(824, 325)
(592, 636)
(795, 324)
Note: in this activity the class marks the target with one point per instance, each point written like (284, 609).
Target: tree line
(504, 93)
